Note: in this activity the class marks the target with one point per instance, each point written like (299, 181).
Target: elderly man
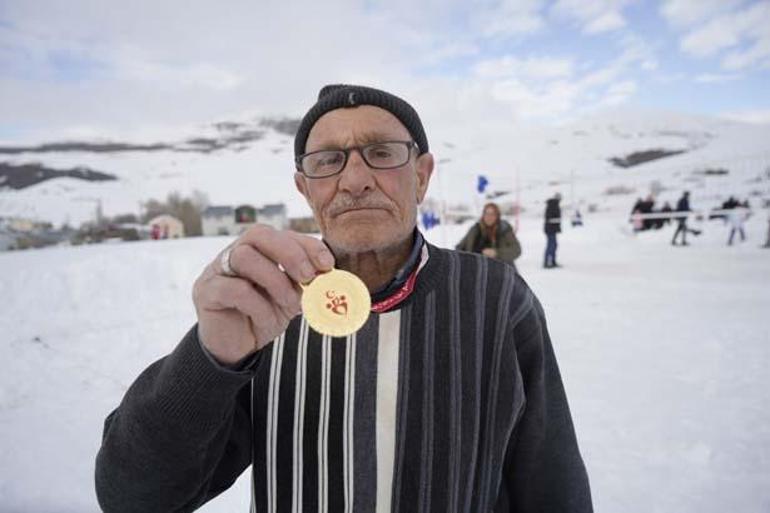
(448, 398)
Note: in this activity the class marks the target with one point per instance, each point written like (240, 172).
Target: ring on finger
(224, 261)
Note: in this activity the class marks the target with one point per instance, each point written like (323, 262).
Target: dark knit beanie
(340, 96)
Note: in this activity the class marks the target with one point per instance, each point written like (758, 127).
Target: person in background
(577, 218)
(665, 210)
(767, 242)
(492, 236)
(552, 227)
(683, 205)
(736, 216)
(647, 206)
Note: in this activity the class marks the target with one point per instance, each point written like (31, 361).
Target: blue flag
(481, 185)
(429, 220)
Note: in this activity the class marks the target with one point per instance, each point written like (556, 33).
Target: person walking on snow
(683, 205)
(767, 242)
(736, 216)
(552, 226)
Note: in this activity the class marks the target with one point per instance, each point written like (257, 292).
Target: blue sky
(84, 68)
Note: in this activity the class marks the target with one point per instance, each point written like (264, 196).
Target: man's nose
(357, 178)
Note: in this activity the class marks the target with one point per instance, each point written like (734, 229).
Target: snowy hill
(663, 351)
(250, 161)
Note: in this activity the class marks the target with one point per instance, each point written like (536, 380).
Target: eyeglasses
(380, 155)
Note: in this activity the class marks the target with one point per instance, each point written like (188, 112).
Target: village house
(166, 227)
(274, 215)
(218, 221)
(21, 233)
(226, 220)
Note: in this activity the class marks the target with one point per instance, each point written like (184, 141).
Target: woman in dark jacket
(492, 237)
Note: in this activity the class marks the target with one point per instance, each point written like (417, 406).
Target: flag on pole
(481, 184)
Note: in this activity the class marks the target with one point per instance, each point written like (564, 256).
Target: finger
(316, 249)
(223, 293)
(218, 264)
(301, 261)
(255, 267)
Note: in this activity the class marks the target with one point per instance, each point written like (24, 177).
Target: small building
(245, 218)
(19, 224)
(224, 220)
(166, 227)
(245, 214)
(218, 221)
(274, 215)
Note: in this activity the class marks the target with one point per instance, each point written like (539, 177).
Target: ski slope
(663, 350)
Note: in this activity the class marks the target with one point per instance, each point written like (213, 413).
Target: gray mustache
(344, 203)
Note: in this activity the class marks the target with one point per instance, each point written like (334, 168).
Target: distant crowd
(495, 238)
(644, 216)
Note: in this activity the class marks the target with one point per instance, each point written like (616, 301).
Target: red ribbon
(398, 296)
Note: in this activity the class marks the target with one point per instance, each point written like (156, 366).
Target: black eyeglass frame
(411, 145)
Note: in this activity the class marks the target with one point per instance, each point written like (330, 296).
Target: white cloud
(144, 65)
(203, 74)
(670, 78)
(749, 116)
(531, 67)
(605, 23)
(508, 18)
(744, 32)
(636, 51)
(449, 50)
(618, 93)
(187, 61)
(547, 88)
(715, 78)
(180, 63)
(757, 53)
(682, 13)
(549, 102)
(593, 16)
(710, 38)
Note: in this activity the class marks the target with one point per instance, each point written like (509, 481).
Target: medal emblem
(336, 303)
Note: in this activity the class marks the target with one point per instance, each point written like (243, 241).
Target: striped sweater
(452, 402)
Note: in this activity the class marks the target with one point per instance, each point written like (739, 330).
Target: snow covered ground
(535, 161)
(664, 352)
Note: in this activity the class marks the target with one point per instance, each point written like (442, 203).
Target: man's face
(364, 209)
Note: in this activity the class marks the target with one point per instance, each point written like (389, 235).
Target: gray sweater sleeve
(544, 471)
(181, 435)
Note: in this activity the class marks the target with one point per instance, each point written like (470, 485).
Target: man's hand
(238, 315)
(490, 252)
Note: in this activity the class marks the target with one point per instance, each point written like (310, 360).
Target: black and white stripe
(387, 394)
(411, 413)
(272, 422)
(348, 435)
(323, 426)
(299, 416)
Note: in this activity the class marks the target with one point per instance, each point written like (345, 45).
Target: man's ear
(299, 182)
(424, 169)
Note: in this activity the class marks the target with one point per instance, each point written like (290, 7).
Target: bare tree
(186, 209)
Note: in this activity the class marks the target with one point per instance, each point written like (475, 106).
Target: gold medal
(336, 303)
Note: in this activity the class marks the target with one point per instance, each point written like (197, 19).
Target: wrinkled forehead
(346, 127)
